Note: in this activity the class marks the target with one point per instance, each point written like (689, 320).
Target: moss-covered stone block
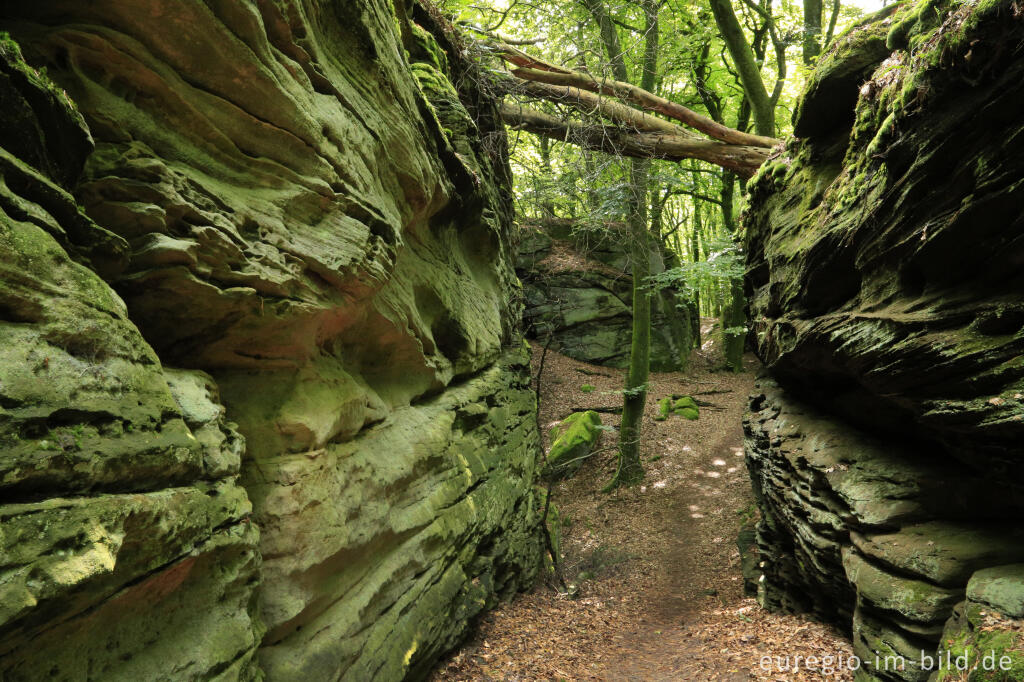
(571, 441)
(680, 406)
(1001, 587)
(986, 632)
(686, 407)
(578, 291)
(918, 601)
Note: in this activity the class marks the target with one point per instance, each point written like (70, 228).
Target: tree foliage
(702, 87)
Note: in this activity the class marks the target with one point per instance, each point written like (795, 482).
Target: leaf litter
(657, 565)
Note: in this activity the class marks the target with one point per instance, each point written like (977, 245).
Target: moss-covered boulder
(571, 442)
(680, 406)
(984, 639)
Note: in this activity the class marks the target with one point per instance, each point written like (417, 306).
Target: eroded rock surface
(126, 549)
(885, 284)
(578, 290)
(291, 201)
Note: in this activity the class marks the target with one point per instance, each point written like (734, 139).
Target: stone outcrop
(123, 528)
(578, 289)
(292, 203)
(884, 277)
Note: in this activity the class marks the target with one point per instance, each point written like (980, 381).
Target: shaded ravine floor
(665, 600)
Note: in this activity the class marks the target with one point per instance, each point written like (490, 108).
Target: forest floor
(661, 595)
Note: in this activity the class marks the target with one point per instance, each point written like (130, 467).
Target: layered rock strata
(293, 202)
(578, 292)
(126, 547)
(885, 246)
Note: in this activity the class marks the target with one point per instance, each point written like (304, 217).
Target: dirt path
(661, 594)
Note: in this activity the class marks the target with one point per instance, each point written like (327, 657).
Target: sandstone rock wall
(292, 202)
(577, 288)
(885, 246)
(126, 547)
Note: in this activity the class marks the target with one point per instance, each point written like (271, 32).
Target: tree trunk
(812, 30)
(733, 326)
(746, 66)
(695, 254)
(547, 201)
(609, 37)
(831, 23)
(744, 160)
(631, 470)
(670, 305)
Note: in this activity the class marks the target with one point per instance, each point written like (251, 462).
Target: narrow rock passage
(661, 591)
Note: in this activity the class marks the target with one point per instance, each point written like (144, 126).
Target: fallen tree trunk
(590, 103)
(742, 159)
(648, 101)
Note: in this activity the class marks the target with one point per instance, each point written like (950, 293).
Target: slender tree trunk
(547, 203)
(831, 23)
(695, 250)
(812, 30)
(609, 37)
(737, 316)
(733, 323)
(727, 194)
(631, 470)
(746, 66)
(676, 315)
(733, 315)
(593, 200)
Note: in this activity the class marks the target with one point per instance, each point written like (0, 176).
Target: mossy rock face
(883, 269)
(834, 271)
(887, 304)
(320, 232)
(578, 292)
(831, 95)
(850, 526)
(125, 536)
(571, 441)
(918, 601)
(39, 124)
